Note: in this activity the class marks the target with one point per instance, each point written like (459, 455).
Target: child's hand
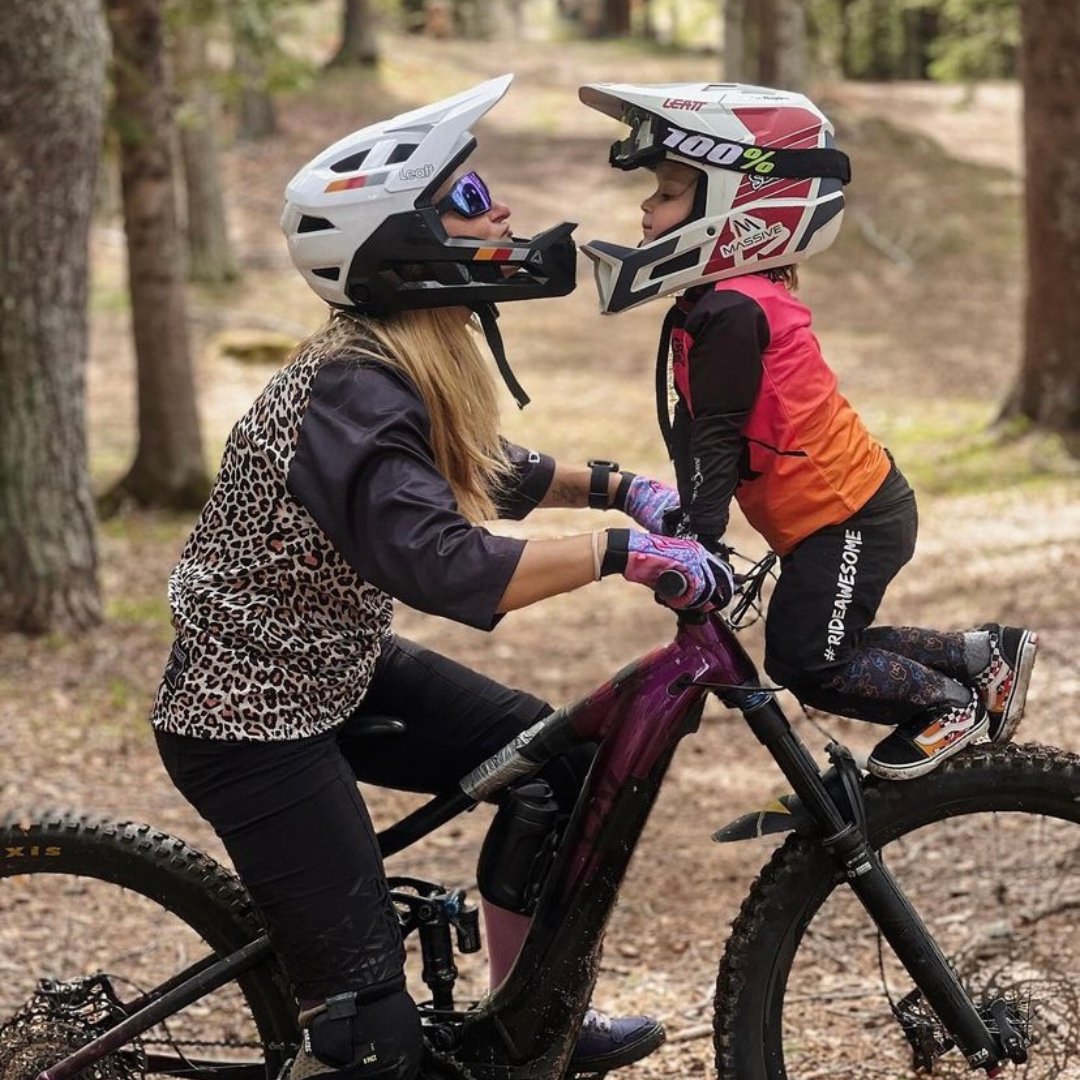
(648, 501)
(708, 576)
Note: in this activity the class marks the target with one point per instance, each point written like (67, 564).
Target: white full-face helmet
(364, 234)
(770, 192)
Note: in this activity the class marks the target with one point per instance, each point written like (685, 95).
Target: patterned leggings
(819, 641)
(896, 672)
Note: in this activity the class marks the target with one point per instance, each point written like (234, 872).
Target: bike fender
(785, 814)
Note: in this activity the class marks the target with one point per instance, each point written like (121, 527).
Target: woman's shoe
(606, 1042)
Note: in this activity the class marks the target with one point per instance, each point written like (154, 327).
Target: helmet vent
(681, 262)
(350, 163)
(401, 152)
(313, 224)
(331, 273)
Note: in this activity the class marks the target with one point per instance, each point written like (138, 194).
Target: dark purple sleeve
(527, 483)
(730, 333)
(365, 471)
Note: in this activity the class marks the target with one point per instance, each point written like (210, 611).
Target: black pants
(294, 824)
(818, 639)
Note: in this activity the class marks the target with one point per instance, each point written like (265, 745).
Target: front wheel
(94, 913)
(987, 849)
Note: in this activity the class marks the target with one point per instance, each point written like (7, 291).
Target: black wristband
(598, 483)
(619, 502)
(618, 552)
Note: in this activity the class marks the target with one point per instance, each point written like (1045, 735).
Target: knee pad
(366, 1040)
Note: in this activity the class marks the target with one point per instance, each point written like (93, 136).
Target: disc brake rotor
(59, 1018)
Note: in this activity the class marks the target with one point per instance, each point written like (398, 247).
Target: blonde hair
(436, 349)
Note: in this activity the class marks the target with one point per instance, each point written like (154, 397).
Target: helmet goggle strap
(652, 139)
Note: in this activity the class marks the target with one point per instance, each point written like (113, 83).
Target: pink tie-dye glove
(647, 501)
(642, 557)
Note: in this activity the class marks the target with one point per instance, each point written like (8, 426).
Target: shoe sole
(1017, 700)
(617, 1059)
(921, 768)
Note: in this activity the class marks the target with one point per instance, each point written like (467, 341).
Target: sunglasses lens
(470, 196)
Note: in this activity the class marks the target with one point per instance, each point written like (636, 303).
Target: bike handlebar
(671, 584)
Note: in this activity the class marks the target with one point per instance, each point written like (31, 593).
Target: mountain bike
(900, 928)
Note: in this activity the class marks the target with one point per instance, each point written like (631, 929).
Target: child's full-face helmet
(770, 191)
(364, 233)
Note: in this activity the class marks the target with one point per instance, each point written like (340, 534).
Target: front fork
(871, 881)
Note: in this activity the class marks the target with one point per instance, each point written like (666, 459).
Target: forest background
(949, 308)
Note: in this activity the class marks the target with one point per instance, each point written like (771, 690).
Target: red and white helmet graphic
(770, 192)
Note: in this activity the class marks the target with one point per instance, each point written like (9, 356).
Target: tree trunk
(648, 26)
(735, 66)
(210, 258)
(768, 38)
(1049, 385)
(847, 66)
(251, 37)
(52, 79)
(168, 470)
(591, 17)
(616, 18)
(791, 45)
(358, 48)
(882, 63)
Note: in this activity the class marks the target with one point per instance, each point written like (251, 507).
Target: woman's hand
(648, 502)
(709, 578)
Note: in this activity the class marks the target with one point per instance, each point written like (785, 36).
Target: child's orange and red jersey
(759, 416)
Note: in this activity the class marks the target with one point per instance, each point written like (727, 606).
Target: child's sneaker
(1002, 685)
(924, 742)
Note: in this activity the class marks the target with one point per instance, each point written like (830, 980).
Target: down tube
(525, 1029)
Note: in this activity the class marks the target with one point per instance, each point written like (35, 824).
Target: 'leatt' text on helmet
(770, 192)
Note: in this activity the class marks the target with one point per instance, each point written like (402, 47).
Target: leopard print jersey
(276, 635)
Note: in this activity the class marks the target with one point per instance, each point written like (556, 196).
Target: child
(748, 184)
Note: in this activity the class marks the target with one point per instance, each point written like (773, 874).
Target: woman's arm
(570, 486)
(549, 567)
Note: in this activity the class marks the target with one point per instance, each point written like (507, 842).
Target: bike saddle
(370, 726)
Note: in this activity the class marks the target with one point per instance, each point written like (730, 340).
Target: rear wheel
(987, 848)
(108, 911)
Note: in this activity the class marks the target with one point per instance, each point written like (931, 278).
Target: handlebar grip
(671, 584)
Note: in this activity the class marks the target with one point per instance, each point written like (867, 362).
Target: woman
(358, 476)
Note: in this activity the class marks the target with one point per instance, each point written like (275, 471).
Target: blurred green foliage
(946, 40)
(979, 39)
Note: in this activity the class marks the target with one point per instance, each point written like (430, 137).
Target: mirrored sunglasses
(469, 197)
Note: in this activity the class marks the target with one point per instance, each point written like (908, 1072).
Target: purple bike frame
(528, 1026)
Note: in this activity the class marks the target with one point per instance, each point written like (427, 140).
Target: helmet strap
(487, 314)
(663, 414)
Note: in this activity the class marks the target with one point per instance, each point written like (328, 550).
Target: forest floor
(918, 308)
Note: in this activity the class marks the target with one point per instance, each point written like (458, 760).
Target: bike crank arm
(876, 888)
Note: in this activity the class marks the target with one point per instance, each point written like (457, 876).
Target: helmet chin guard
(770, 191)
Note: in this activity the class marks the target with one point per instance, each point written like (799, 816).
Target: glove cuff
(618, 552)
(622, 492)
